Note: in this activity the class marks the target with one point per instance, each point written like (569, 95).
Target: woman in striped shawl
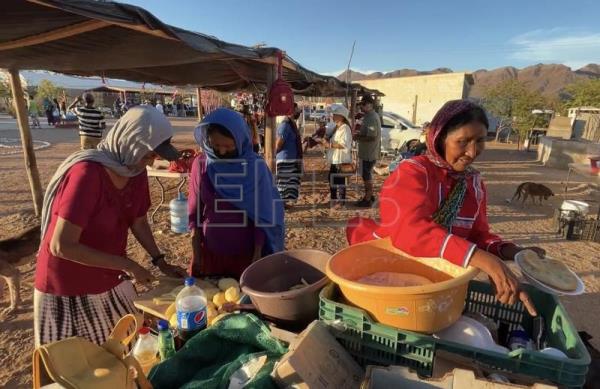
(289, 158)
(95, 198)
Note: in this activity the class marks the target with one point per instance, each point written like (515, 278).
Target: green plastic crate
(371, 343)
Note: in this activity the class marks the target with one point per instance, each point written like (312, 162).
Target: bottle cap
(163, 325)
(189, 281)
(144, 331)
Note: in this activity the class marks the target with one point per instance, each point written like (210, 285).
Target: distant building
(419, 97)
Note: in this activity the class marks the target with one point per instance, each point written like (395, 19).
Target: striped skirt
(91, 316)
(289, 174)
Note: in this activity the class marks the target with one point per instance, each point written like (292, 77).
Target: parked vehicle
(318, 115)
(397, 133)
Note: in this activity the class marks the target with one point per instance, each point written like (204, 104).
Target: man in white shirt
(159, 107)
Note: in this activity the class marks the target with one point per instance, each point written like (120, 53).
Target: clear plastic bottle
(145, 349)
(166, 343)
(179, 216)
(191, 309)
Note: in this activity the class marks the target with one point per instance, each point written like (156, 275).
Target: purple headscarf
(441, 118)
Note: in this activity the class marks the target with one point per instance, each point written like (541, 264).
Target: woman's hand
(139, 274)
(506, 284)
(509, 251)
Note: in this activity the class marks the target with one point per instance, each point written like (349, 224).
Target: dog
(14, 252)
(534, 190)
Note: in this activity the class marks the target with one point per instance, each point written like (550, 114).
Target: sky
(418, 34)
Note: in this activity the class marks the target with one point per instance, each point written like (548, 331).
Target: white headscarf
(135, 134)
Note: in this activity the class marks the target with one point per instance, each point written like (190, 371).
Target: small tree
(47, 89)
(583, 94)
(5, 95)
(513, 102)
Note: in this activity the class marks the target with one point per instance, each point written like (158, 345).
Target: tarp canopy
(115, 40)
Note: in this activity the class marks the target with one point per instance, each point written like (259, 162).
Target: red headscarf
(441, 118)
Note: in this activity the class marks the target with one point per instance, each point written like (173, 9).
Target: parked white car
(397, 133)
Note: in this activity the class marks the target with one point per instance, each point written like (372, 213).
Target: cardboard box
(316, 360)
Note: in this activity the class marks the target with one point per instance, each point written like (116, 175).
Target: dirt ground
(309, 225)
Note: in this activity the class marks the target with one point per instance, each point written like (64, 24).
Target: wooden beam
(54, 35)
(199, 98)
(140, 27)
(26, 141)
(270, 125)
(146, 30)
(273, 61)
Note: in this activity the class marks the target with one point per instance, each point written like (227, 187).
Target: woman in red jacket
(434, 205)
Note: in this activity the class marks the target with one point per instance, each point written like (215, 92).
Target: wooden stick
(137, 27)
(54, 35)
(199, 97)
(270, 125)
(26, 141)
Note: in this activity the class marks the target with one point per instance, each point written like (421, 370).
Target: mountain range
(548, 79)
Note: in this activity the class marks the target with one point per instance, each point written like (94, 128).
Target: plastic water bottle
(190, 305)
(179, 217)
(145, 349)
(166, 343)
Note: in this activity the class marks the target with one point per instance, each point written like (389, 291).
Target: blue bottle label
(191, 321)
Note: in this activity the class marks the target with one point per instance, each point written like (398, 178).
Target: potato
(211, 312)
(219, 299)
(232, 294)
(210, 293)
(226, 283)
(217, 318)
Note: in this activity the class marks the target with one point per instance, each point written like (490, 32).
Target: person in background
(92, 202)
(235, 212)
(49, 110)
(251, 122)
(289, 158)
(56, 111)
(117, 108)
(435, 205)
(369, 148)
(159, 107)
(311, 141)
(33, 110)
(91, 121)
(339, 153)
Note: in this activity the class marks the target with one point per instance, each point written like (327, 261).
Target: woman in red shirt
(94, 199)
(434, 205)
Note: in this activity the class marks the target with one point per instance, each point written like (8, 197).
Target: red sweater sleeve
(407, 206)
(481, 235)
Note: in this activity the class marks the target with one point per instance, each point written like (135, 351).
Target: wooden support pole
(199, 98)
(270, 126)
(28, 153)
(414, 115)
(353, 108)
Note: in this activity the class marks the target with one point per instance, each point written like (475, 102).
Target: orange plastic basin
(427, 308)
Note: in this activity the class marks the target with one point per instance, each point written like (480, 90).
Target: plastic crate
(372, 343)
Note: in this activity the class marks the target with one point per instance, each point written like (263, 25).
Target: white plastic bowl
(580, 207)
(472, 333)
